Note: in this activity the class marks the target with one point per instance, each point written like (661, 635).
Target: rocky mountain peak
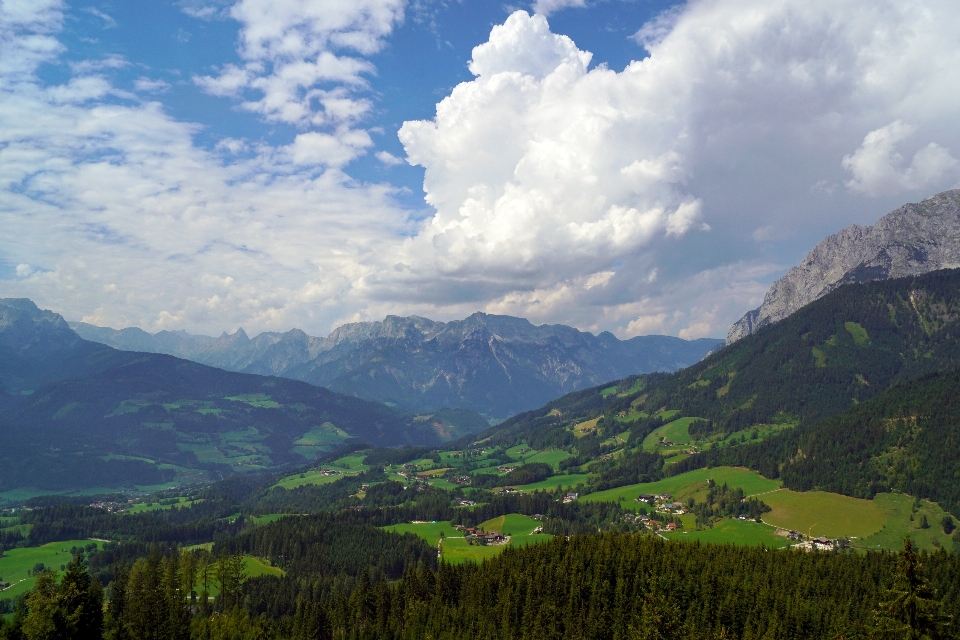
(916, 238)
(24, 327)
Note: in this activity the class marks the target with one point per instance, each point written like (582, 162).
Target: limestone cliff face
(914, 239)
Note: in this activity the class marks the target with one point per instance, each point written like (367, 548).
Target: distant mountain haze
(496, 365)
(912, 240)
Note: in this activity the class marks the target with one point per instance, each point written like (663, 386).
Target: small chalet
(570, 497)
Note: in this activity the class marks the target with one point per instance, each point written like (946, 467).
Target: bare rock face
(914, 239)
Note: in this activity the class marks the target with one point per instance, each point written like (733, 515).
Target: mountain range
(81, 414)
(495, 365)
(912, 240)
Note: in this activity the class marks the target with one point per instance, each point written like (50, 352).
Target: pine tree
(908, 610)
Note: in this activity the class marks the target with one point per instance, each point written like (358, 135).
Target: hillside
(80, 414)
(853, 394)
(496, 365)
(912, 240)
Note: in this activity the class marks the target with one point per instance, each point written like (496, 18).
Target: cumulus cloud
(290, 50)
(661, 198)
(876, 168)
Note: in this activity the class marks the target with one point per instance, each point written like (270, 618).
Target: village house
(570, 497)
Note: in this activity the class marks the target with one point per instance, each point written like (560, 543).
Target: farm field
(733, 531)
(313, 476)
(512, 524)
(15, 564)
(550, 484)
(351, 463)
(552, 458)
(675, 431)
(687, 485)
(457, 551)
(583, 428)
(141, 507)
(898, 508)
(830, 514)
(429, 531)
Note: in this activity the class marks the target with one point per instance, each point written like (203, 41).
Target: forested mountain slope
(80, 414)
(497, 365)
(907, 439)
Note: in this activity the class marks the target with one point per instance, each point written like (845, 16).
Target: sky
(633, 166)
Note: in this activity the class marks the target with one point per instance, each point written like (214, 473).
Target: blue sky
(621, 165)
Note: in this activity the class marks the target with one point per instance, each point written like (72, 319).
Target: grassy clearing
(308, 477)
(732, 531)
(457, 551)
(256, 567)
(429, 531)
(512, 524)
(675, 431)
(352, 463)
(267, 519)
(898, 508)
(830, 514)
(565, 481)
(552, 458)
(583, 428)
(141, 507)
(16, 563)
(609, 391)
(692, 484)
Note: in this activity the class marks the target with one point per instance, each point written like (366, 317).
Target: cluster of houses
(648, 522)
(461, 480)
(821, 543)
(466, 503)
(330, 472)
(663, 503)
(505, 490)
(506, 469)
(474, 535)
(111, 507)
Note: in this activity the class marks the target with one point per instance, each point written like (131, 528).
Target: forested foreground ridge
(600, 587)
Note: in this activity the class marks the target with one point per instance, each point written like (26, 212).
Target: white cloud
(657, 199)
(878, 169)
(288, 48)
(388, 158)
(108, 21)
(150, 85)
(546, 7)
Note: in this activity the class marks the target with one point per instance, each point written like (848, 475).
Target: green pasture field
(550, 484)
(429, 531)
(632, 390)
(457, 551)
(314, 476)
(675, 431)
(553, 457)
(763, 431)
(267, 519)
(257, 567)
(512, 524)
(669, 414)
(830, 514)
(686, 485)
(898, 508)
(734, 531)
(319, 439)
(15, 564)
(352, 462)
(632, 416)
(583, 428)
(609, 391)
(141, 507)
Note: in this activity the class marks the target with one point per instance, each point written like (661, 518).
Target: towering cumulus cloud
(658, 197)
